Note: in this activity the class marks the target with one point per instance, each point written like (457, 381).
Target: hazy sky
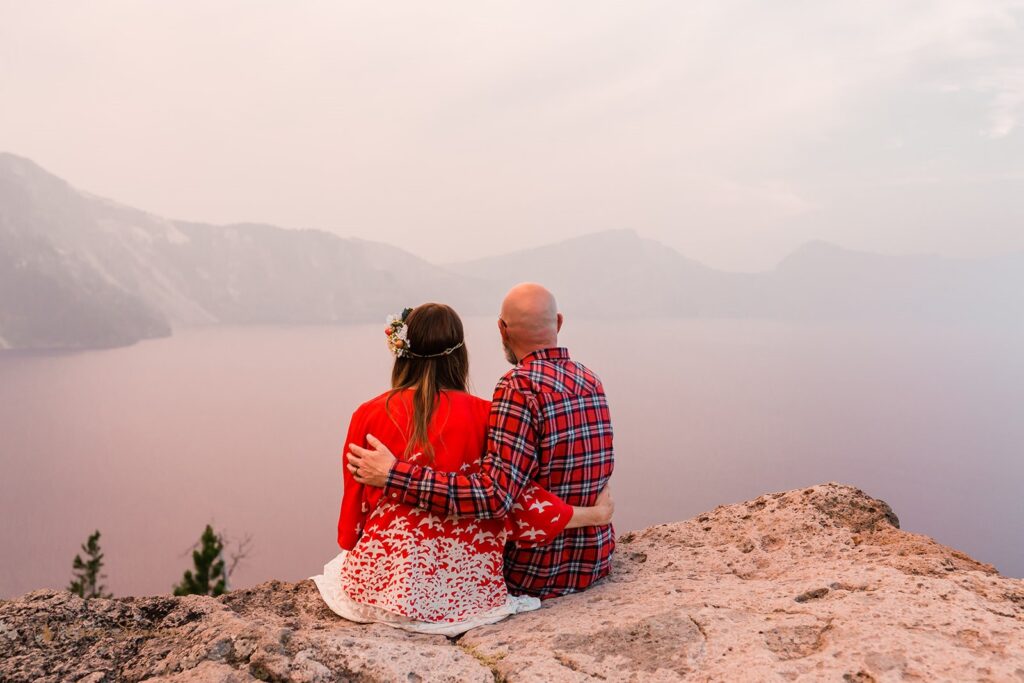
(732, 131)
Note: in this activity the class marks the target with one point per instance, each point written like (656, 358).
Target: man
(549, 423)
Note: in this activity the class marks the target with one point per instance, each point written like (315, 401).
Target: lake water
(243, 428)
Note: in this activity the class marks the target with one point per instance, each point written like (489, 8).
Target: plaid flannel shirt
(549, 423)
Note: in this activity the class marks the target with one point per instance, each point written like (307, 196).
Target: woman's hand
(598, 514)
(370, 466)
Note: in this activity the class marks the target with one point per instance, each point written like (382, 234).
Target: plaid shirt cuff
(400, 478)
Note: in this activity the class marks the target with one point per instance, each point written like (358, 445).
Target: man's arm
(508, 465)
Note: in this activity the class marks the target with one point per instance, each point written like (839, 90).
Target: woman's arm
(538, 515)
(352, 514)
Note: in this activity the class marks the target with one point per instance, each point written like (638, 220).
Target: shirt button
(394, 495)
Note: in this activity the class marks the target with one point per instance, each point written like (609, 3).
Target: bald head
(531, 318)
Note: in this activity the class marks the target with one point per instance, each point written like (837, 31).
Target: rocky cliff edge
(811, 584)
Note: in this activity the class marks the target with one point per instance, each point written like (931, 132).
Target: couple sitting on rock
(457, 511)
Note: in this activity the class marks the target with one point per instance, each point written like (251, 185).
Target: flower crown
(397, 333)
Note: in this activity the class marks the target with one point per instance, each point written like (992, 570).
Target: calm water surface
(243, 428)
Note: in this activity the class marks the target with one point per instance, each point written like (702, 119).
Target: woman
(404, 566)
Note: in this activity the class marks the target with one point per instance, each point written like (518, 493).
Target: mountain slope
(824, 281)
(617, 274)
(78, 270)
(52, 295)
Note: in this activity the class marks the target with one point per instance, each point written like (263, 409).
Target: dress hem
(334, 595)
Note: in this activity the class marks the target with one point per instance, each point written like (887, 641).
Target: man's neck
(525, 351)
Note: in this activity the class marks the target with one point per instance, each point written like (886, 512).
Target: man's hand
(370, 466)
(598, 514)
(605, 505)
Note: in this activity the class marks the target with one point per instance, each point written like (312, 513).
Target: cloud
(1007, 101)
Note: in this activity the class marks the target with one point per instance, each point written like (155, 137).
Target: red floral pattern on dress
(429, 570)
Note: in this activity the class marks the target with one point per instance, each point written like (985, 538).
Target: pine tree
(209, 567)
(87, 573)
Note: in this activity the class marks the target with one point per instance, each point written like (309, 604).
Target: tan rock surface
(812, 584)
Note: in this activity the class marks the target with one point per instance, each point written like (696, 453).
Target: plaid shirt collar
(553, 353)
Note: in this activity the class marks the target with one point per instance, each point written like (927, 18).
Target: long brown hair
(431, 329)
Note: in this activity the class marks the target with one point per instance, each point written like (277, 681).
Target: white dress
(333, 592)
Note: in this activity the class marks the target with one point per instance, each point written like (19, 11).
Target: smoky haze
(731, 132)
(787, 237)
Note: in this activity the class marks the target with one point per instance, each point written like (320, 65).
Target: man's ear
(559, 327)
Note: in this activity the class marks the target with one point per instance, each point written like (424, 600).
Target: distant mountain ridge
(82, 271)
(616, 274)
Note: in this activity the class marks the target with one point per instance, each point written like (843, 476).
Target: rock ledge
(810, 584)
